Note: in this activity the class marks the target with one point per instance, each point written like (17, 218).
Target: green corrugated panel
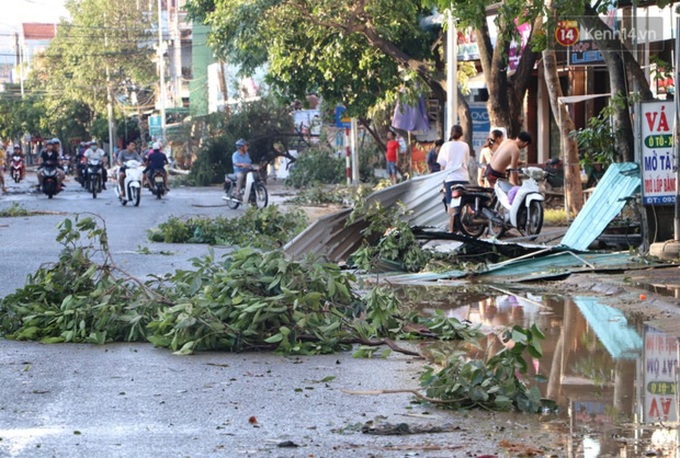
(559, 264)
(622, 180)
(202, 57)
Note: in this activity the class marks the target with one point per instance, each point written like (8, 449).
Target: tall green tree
(351, 52)
(104, 46)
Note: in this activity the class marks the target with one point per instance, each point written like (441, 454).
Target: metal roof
(620, 182)
(333, 239)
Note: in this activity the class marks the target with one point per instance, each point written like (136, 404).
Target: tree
(351, 52)
(105, 46)
(507, 89)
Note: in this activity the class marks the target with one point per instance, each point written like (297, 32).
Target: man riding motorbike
(128, 154)
(94, 152)
(156, 161)
(242, 162)
(49, 157)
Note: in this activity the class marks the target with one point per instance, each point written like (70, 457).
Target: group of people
(52, 155)
(499, 158)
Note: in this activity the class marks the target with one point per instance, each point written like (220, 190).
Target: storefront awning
(582, 98)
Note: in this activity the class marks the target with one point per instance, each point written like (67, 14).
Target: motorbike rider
(156, 160)
(128, 154)
(80, 163)
(18, 152)
(506, 159)
(94, 152)
(49, 157)
(242, 163)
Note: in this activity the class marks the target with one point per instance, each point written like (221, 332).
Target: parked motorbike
(16, 167)
(50, 184)
(502, 208)
(132, 183)
(94, 176)
(255, 192)
(157, 184)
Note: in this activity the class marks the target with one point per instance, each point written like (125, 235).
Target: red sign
(566, 32)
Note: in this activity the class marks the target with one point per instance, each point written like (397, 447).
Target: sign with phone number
(658, 160)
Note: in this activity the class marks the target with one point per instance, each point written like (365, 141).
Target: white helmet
(156, 145)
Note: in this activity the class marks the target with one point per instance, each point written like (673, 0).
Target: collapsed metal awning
(551, 263)
(334, 238)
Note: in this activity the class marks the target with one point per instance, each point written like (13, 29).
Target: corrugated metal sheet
(620, 181)
(334, 240)
(547, 264)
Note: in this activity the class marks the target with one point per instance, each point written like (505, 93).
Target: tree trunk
(619, 60)
(573, 191)
(506, 93)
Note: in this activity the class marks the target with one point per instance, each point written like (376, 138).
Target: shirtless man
(507, 157)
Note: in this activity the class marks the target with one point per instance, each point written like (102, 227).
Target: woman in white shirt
(453, 157)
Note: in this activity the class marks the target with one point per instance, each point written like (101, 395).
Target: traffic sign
(567, 32)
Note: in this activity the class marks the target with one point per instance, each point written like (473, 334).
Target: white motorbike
(520, 207)
(477, 210)
(254, 193)
(133, 183)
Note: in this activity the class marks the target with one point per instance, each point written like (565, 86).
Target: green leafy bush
(263, 123)
(265, 228)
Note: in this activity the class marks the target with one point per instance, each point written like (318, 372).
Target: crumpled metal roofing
(333, 239)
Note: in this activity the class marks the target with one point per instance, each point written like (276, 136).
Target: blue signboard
(155, 126)
(585, 52)
(481, 124)
(341, 119)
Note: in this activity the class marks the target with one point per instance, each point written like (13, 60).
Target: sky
(26, 11)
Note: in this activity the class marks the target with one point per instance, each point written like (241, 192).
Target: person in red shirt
(391, 156)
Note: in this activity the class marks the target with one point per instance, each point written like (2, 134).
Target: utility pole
(109, 101)
(451, 72)
(161, 68)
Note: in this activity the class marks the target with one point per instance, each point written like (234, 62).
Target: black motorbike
(50, 184)
(94, 176)
(157, 183)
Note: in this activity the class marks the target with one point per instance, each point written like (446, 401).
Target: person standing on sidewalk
(453, 157)
(391, 155)
(3, 161)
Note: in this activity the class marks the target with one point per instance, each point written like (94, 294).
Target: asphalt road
(137, 400)
(129, 400)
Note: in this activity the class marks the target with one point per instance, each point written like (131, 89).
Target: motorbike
(16, 167)
(501, 208)
(67, 164)
(157, 184)
(94, 176)
(50, 184)
(133, 183)
(254, 193)
(81, 174)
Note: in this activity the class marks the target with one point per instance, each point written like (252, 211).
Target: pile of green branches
(249, 300)
(266, 228)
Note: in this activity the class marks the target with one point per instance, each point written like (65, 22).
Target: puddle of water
(615, 381)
